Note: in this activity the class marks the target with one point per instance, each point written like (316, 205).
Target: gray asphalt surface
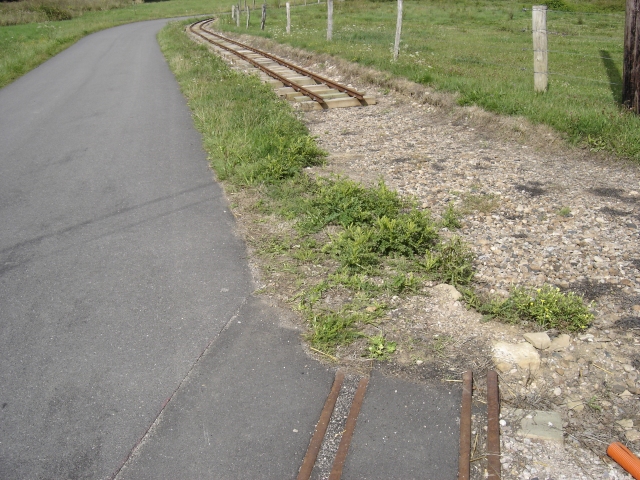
(123, 285)
(118, 261)
(405, 431)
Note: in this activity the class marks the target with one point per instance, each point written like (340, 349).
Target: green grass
(482, 50)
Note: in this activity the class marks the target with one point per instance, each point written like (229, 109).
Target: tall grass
(482, 51)
(30, 11)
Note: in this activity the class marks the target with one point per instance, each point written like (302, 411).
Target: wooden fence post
(329, 20)
(631, 65)
(238, 15)
(264, 16)
(233, 12)
(248, 15)
(540, 53)
(288, 17)
(396, 46)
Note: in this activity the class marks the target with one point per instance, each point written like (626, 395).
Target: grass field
(483, 52)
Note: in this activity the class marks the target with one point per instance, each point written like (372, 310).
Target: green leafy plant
(362, 247)
(593, 404)
(451, 218)
(546, 306)
(403, 283)
(347, 203)
(380, 348)
(450, 262)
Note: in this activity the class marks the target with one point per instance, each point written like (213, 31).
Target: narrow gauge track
(309, 469)
(298, 84)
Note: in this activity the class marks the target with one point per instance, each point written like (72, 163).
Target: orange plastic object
(625, 458)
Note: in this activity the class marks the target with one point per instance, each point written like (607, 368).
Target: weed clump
(547, 307)
(450, 262)
(380, 348)
(359, 247)
(347, 203)
(330, 329)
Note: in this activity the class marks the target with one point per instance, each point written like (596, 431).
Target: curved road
(118, 261)
(123, 286)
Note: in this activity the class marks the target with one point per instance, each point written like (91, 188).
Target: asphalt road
(130, 344)
(118, 259)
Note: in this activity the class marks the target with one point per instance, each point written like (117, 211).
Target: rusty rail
(318, 78)
(285, 81)
(493, 427)
(350, 426)
(321, 429)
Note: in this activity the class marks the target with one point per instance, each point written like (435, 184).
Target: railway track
(310, 90)
(348, 416)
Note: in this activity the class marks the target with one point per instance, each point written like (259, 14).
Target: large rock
(540, 425)
(521, 354)
(561, 342)
(575, 404)
(448, 290)
(539, 340)
(632, 435)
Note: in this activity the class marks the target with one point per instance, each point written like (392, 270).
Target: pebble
(632, 435)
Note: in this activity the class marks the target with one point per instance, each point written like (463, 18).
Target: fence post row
(396, 45)
(329, 19)
(540, 52)
(264, 16)
(631, 62)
